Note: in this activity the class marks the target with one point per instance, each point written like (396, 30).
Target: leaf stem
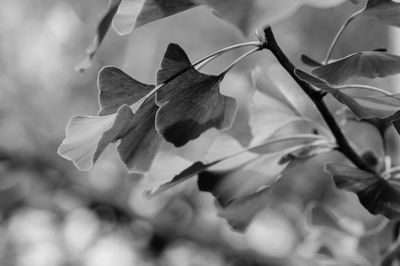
(205, 60)
(240, 59)
(339, 34)
(317, 97)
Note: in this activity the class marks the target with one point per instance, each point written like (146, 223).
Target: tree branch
(317, 97)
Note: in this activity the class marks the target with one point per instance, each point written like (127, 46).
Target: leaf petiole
(239, 59)
(339, 34)
(205, 60)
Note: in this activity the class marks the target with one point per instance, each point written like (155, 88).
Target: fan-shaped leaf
(380, 105)
(191, 103)
(376, 194)
(87, 137)
(133, 14)
(385, 11)
(367, 64)
(102, 29)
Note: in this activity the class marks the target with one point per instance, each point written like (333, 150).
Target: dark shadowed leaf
(191, 103)
(385, 11)
(102, 29)
(133, 14)
(285, 145)
(248, 15)
(367, 64)
(309, 61)
(380, 105)
(139, 141)
(87, 137)
(376, 194)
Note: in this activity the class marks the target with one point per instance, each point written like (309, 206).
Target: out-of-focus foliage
(52, 214)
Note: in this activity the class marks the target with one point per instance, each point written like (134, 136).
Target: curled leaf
(133, 14)
(191, 103)
(379, 105)
(367, 64)
(376, 194)
(102, 29)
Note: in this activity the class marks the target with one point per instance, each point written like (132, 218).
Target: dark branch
(317, 97)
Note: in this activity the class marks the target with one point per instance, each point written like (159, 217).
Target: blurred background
(51, 214)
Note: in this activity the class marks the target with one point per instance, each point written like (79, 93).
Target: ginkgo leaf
(376, 194)
(82, 136)
(117, 88)
(133, 14)
(248, 15)
(102, 29)
(87, 137)
(139, 141)
(273, 146)
(380, 105)
(385, 11)
(367, 64)
(191, 103)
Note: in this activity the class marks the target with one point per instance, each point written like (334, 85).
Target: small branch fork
(317, 97)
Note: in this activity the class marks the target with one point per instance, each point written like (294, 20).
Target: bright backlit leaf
(133, 14)
(367, 64)
(102, 29)
(385, 11)
(191, 103)
(380, 105)
(376, 194)
(261, 82)
(248, 15)
(87, 137)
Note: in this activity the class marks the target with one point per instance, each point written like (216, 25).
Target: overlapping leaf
(87, 137)
(380, 105)
(273, 146)
(385, 11)
(367, 64)
(102, 29)
(133, 14)
(376, 194)
(191, 103)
